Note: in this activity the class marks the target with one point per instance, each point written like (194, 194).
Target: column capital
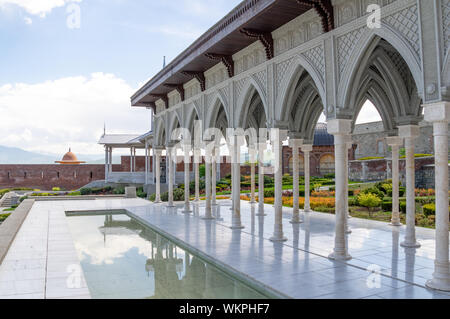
(409, 131)
(307, 148)
(437, 112)
(394, 141)
(295, 135)
(295, 143)
(339, 127)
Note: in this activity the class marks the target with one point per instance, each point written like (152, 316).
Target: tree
(369, 201)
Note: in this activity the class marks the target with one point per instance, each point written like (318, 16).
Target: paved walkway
(297, 268)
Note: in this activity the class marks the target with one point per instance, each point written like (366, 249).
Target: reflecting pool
(121, 258)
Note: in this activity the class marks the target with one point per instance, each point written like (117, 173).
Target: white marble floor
(43, 256)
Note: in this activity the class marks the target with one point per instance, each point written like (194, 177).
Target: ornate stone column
(208, 210)
(347, 213)
(395, 142)
(341, 130)
(252, 175)
(409, 133)
(439, 115)
(214, 177)
(106, 163)
(236, 184)
(171, 174)
(295, 144)
(187, 173)
(277, 137)
(307, 149)
(261, 149)
(146, 162)
(158, 153)
(197, 158)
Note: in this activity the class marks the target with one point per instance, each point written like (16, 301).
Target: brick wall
(377, 170)
(45, 177)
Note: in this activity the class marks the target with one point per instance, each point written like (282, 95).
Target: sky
(69, 67)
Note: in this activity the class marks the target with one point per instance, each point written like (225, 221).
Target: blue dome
(321, 136)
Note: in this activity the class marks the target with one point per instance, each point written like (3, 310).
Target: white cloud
(51, 116)
(36, 7)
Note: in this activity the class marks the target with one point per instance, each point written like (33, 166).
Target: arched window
(91, 175)
(301, 165)
(57, 175)
(326, 164)
(9, 175)
(25, 175)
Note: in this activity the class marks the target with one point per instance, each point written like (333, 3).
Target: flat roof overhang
(224, 38)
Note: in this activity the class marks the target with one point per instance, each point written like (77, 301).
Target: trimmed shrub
(386, 206)
(374, 191)
(119, 191)
(402, 207)
(370, 201)
(56, 189)
(429, 209)
(269, 193)
(85, 191)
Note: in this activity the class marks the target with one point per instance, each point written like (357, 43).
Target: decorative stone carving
(346, 45)
(406, 22)
(446, 23)
(261, 79)
(316, 57)
(281, 70)
(239, 86)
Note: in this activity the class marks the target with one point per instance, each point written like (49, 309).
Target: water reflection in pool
(121, 258)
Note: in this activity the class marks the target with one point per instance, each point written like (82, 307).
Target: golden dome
(70, 158)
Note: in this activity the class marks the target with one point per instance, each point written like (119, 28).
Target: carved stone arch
(173, 122)
(212, 111)
(377, 71)
(160, 130)
(243, 104)
(289, 83)
(446, 72)
(362, 52)
(304, 106)
(310, 127)
(191, 114)
(372, 91)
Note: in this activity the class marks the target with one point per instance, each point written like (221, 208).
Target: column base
(296, 221)
(410, 244)
(339, 257)
(438, 285)
(261, 215)
(157, 202)
(171, 206)
(277, 239)
(395, 223)
(348, 231)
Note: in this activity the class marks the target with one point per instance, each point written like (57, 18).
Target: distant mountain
(13, 155)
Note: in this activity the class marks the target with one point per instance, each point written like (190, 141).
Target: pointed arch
(361, 55)
(297, 68)
(212, 112)
(243, 104)
(160, 131)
